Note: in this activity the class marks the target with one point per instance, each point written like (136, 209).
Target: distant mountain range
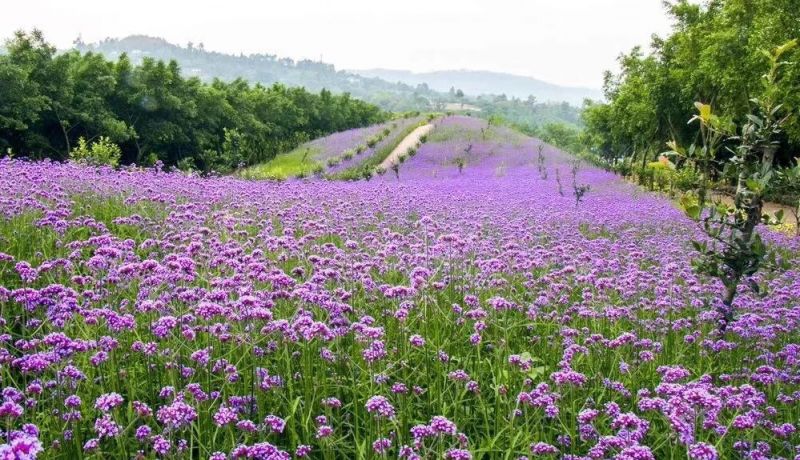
(477, 82)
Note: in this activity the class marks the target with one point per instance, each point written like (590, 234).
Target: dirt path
(409, 141)
(769, 207)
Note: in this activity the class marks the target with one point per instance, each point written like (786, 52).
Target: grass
(297, 163)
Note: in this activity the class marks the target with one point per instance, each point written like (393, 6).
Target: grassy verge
(297, 163)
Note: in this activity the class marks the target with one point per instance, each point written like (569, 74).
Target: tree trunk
(797, 219)
(66, 139)
(727, 307)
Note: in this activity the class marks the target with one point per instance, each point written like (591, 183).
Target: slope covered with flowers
(472, 314)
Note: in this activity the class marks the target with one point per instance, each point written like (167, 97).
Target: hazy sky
(568, 42)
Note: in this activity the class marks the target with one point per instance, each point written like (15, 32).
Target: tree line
(53, 103)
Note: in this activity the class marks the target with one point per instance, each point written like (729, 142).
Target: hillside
(395, 96)
(478, 82)
(266, 69)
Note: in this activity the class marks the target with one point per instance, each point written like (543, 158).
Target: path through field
(410, 141)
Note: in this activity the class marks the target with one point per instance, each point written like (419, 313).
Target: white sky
(568, 42)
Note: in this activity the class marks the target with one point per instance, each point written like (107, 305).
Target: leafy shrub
(187, 164)
(102, 152)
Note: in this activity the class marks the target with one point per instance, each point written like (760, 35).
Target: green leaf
(704, 111)
(537, 372)
(691, 206)
(754, 185)
(788, 46)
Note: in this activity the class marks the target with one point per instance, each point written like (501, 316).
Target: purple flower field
(473, 314)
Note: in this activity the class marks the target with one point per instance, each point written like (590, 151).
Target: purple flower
(380, 406)
(458, 454)
(177, 415)
(108, 401)
(274, 423)
(381, 446)
(106, 427)
(416, 341)
(542, 448)
(702, 451)
(10, 409)
(225, 416)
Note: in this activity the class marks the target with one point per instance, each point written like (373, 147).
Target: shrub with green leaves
(101, 152)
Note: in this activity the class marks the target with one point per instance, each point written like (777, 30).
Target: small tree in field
(460, 163)
(98, 153)
(558, 181)
(540, 162)
(734, 249)
(578, 190)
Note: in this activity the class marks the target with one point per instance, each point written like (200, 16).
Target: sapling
(558, 181)
(734, 250)
(540, 162)
(460, 163)
(578, 190)
(366, 173)
(701, 159)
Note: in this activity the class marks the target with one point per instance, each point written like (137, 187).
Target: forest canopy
(49, 101)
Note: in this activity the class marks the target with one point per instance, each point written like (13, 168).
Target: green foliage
(528, 113)
(735, 250)
(714, 54)
(298, 162)
(102, 152)
(787, 185)
(460, 163)
(49, 101)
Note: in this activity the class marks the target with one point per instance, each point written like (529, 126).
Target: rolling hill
(479, 82)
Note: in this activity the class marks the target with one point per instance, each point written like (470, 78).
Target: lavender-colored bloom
(702, 451)
(380, 406)
(542, 448)
(108, 401)
(177, 415)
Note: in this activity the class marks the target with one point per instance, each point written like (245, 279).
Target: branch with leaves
(734, 250)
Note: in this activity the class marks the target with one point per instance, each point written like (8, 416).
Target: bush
(102, 152)
(187, 164)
